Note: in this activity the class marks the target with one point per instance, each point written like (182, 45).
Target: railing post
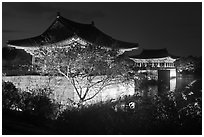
(33, 62)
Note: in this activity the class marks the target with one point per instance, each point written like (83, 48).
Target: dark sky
(175, 26)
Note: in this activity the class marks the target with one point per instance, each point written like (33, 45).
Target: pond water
(175, 85)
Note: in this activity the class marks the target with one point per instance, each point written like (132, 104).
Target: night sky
(175, 26)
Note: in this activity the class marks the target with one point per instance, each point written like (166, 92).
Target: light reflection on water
(174, 85)
(181, 82)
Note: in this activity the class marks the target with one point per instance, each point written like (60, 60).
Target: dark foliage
(16, 62)
(8, 53)
(189, 65)
(10, 96)
(16, 56)
(162, 114)
(34, 103)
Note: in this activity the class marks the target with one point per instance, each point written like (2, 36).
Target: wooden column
(33, 60)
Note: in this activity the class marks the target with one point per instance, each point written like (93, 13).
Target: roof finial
(58, 14)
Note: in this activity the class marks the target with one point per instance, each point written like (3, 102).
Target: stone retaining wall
(63, 89)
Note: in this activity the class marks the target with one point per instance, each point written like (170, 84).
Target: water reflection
(173, 85)
(181, 82)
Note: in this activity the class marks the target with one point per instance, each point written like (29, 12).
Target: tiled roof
(153, 53)
(62, 29)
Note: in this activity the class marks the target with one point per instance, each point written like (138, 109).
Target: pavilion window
(155, 64)
(162, 64)
(137, 64)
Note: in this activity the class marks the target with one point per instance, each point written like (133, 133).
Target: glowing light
(172, 73)
(121, 51)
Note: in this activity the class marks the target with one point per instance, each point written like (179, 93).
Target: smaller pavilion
(155, 59)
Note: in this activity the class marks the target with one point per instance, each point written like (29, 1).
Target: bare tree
(89, 68)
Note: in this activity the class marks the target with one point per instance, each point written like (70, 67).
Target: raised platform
(63, 89)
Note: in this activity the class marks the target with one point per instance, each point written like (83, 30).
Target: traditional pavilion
(64, 31)
(155, 59)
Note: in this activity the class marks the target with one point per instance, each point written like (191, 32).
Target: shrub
(10, 96)
(36, 102)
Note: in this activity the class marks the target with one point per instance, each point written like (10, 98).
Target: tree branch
(62, 73)
(100, 88)
(95, 94)
(73, 83)
(88, 87)
(86, 92)
(79, 87)
(98, 82)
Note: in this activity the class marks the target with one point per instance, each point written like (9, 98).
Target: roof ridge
(68, 20)
(63, 28)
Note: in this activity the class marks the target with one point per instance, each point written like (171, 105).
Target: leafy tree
(89, 68)
(189, 64)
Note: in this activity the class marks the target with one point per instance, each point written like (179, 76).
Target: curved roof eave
(62, 29)
(153, 53)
